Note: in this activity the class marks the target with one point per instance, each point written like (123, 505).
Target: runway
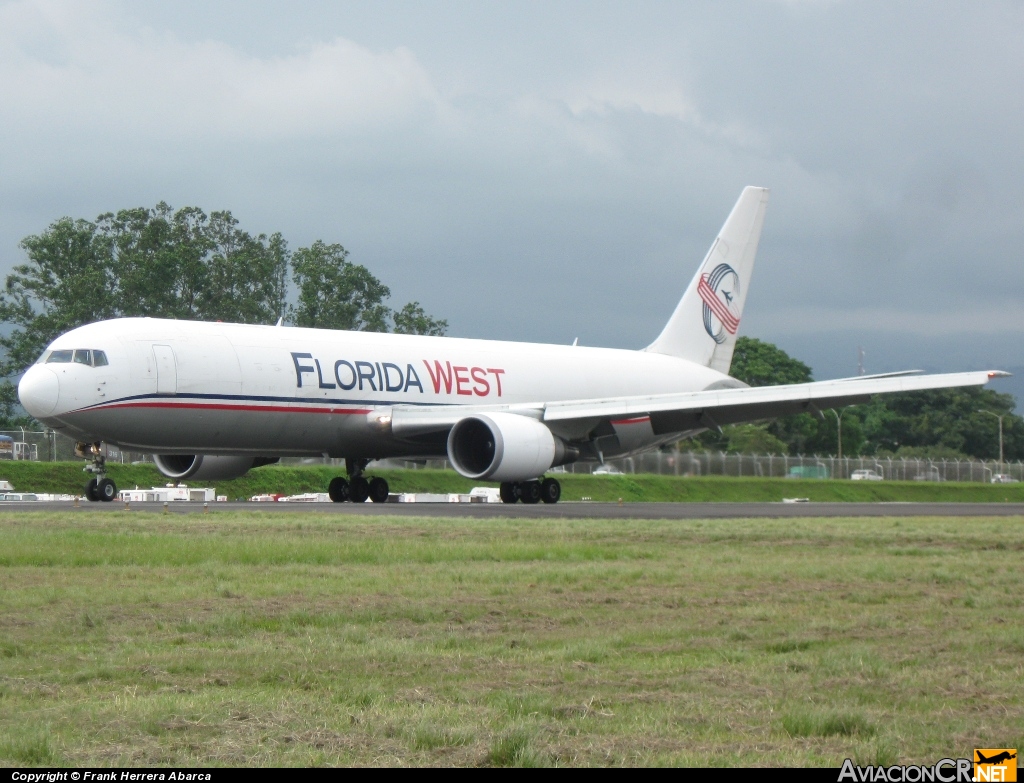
(569, 510)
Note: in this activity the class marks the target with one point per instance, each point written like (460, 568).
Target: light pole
(839, 428)
(1000, 417)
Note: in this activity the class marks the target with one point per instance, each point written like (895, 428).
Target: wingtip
(999, 374)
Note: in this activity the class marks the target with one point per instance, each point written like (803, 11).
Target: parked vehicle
(808, 472)
(865, 475)
(606, 470)
(17, 449)
(1004, 478)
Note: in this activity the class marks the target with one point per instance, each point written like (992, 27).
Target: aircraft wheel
(106, 490)
(379, 490)
(531, 492)
(90, 491)
(550, 490)
(358, 490)
(338, 489)
(509, 492)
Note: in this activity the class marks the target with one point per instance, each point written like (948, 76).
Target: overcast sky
(552, 170)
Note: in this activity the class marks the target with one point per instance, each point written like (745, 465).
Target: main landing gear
(357, 488)
(99, 487)
(548, 490)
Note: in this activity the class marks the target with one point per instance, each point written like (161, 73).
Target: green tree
(758, 363)
(938, 422)
(138, 262)
(752, 439)
(824, 439)
(412, 320)
(184, 264)
(11, 414)
(334, 293)
(247, 276)
(68, 281)
(187, 264)
(944, 421)
(929, 452)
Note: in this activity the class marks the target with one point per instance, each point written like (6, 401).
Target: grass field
(245, 639)
(68, 477)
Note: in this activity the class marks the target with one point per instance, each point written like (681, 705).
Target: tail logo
(718, 291)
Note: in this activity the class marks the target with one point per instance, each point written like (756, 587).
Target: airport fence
(717, 463)
(51, 446)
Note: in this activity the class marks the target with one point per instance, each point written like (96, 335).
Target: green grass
(236, 638)
(67, 477)
(31, 746)
(805, 724)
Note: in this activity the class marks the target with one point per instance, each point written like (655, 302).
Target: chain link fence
(717, 463)
(707, 463)
(51, 446)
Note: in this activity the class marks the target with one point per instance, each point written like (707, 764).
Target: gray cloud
(548, 172)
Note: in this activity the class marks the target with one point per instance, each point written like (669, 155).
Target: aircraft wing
(690, 410)
(685, 411)
(412, 420)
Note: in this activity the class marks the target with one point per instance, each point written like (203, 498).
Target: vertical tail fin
(704, 325)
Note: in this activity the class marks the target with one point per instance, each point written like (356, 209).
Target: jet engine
(207, 468)
(505, 447)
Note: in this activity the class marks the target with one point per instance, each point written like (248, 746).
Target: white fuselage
(217, 388)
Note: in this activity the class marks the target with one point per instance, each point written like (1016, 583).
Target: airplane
(213, 400)
(996, 759)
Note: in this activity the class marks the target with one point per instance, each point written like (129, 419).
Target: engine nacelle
(205, 467)
(505, 447)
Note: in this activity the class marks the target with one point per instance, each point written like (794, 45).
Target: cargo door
(206, 365)
(166, 372)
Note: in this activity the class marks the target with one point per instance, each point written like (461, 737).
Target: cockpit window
(80, 356)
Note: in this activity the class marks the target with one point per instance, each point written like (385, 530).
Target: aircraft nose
(38, 391)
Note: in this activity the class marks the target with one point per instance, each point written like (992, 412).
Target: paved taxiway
(568, 510)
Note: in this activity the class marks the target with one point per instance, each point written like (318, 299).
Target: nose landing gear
(99, 487)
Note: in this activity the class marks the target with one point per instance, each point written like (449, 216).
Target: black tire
(530, 492)
(550, 490)
(358, 490)
(90, 491)
(379, 490)
(509, 492)
(338, 489)
(106, 490)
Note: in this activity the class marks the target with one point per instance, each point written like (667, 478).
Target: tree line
(186, 264)
(937, 424)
